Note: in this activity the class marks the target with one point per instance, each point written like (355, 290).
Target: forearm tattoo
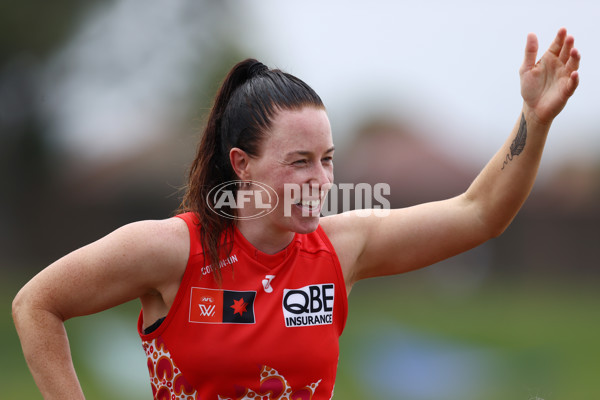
(518, 144)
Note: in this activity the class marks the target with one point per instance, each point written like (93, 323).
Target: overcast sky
(451, 67)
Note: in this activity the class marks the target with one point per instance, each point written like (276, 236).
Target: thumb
(531, 49)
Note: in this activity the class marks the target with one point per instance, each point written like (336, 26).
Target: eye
(327, 160)
(301, 162)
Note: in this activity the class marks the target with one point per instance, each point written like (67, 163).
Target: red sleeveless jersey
(270, 331)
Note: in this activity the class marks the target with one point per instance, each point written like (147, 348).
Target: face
(296, 160)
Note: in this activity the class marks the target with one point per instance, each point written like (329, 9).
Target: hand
(547, 85)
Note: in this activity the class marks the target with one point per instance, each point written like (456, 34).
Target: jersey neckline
(268, 260)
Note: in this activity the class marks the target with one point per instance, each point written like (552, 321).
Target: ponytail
(242, 113)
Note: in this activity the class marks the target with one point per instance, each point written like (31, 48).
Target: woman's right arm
(139, 259)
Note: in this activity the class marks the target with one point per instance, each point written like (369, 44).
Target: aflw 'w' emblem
(207, 311)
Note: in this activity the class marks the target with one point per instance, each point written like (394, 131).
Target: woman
(246, 307)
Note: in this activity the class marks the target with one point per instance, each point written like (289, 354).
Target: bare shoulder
(347, 233)
(339, 226)
(163, 245)
(141, 259)
(170, 228)
(165, 252)
(171, 233)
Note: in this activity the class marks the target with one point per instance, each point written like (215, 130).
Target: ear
(240, 161)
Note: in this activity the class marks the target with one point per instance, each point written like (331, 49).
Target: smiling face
(296, 153)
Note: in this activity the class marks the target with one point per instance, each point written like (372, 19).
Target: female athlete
(242, 305)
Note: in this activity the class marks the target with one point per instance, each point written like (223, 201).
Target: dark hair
(242, 114)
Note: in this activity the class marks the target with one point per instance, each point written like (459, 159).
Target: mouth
(309, 206)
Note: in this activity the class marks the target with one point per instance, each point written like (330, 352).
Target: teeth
(311, 203)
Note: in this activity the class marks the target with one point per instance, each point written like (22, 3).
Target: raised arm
(143, 259)
(504, 184)
(418, 236)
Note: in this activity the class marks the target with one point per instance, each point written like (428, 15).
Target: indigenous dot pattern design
(167, 381)
(273, 386)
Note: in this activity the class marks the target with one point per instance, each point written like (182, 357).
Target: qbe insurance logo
(308, 306)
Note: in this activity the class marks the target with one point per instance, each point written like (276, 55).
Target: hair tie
(257, 68)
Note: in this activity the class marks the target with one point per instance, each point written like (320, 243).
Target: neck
(265, 238)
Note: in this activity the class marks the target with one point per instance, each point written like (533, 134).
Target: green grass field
(405, 339)
(533, 339)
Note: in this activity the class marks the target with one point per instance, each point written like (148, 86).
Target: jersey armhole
(340, 276)
(191, 222)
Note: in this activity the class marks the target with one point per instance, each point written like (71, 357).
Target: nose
(322, 177)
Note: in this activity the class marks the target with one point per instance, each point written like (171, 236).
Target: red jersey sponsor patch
(216, 306)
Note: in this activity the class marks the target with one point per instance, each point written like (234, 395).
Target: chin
(296, 221)
(305, 224)
(308, 228)
(301, 225)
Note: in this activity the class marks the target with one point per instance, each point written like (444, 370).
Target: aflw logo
(309, 305)
(207, 311)
(217, 306)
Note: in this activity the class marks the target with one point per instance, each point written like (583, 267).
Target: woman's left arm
(418, 236)
(504, 184)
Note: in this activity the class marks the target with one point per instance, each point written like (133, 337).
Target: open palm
(547, 85)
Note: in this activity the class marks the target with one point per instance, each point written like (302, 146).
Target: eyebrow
(307, 153)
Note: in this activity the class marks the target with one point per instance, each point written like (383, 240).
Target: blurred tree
(29, 33)
(36, 27)
(38, 206)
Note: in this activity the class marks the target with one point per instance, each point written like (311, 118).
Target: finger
(558, 42)
(572, 83)
(573, 62)
(531, 49)
(565, 52)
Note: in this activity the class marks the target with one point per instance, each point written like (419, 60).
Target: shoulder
(158, 239)
(344, 229)
(347, 233)
(156, 248)
(164, 232)
(139, 259)
(157, 251)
